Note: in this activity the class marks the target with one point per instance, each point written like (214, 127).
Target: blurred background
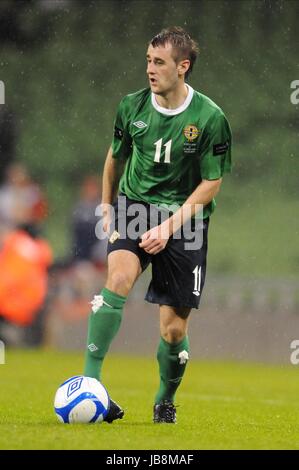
(65, 65)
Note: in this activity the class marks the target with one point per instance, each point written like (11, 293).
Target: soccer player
(176, 145)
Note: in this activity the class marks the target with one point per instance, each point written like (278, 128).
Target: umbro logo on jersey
(139, 124)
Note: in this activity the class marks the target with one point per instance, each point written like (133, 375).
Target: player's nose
(150, 69)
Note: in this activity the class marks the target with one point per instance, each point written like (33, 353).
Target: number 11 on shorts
(197, 280)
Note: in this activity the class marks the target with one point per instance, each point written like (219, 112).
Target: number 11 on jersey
(158, 145)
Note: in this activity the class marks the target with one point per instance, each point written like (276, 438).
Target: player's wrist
(167, 228)
(106, 208)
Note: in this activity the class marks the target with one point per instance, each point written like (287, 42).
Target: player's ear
(183, 66)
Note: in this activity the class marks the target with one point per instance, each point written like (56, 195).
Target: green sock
(172, 359)
(104, 322)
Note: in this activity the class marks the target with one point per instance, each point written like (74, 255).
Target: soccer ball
(81, 400)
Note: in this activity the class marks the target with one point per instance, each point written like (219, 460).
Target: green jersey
(169, 152)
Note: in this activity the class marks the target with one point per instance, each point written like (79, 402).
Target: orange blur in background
(24, 265)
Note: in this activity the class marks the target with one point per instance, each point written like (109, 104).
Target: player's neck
(174, 98)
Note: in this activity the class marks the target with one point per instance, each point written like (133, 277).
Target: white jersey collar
(180, 109)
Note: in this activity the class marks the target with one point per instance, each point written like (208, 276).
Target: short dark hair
(184, 46)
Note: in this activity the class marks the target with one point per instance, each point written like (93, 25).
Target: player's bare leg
(173, 354)
(123, 270)
(173, 323)
(105, 318)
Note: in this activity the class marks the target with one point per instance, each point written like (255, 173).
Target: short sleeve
(122, 141)
(215, 154)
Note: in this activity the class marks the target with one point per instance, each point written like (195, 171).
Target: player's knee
(173, 333)
(119, 282)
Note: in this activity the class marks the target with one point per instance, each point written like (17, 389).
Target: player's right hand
(106, 217)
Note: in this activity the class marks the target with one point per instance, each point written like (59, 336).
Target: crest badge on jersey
(191, 132)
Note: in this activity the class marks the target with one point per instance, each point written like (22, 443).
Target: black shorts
(178, 274)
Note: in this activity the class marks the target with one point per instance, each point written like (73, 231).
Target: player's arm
(119, 151)
(201, 196)
(113, 169)
(155, 240)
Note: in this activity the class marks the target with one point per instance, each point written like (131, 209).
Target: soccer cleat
(165, 412)
(115, 412)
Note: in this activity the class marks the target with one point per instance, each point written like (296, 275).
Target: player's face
(162, 70)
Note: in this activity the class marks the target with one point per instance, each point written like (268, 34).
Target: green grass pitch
(221, 405)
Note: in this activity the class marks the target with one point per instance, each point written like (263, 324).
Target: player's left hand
(154, 240)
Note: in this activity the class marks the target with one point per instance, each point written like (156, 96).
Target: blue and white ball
(81, 400)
